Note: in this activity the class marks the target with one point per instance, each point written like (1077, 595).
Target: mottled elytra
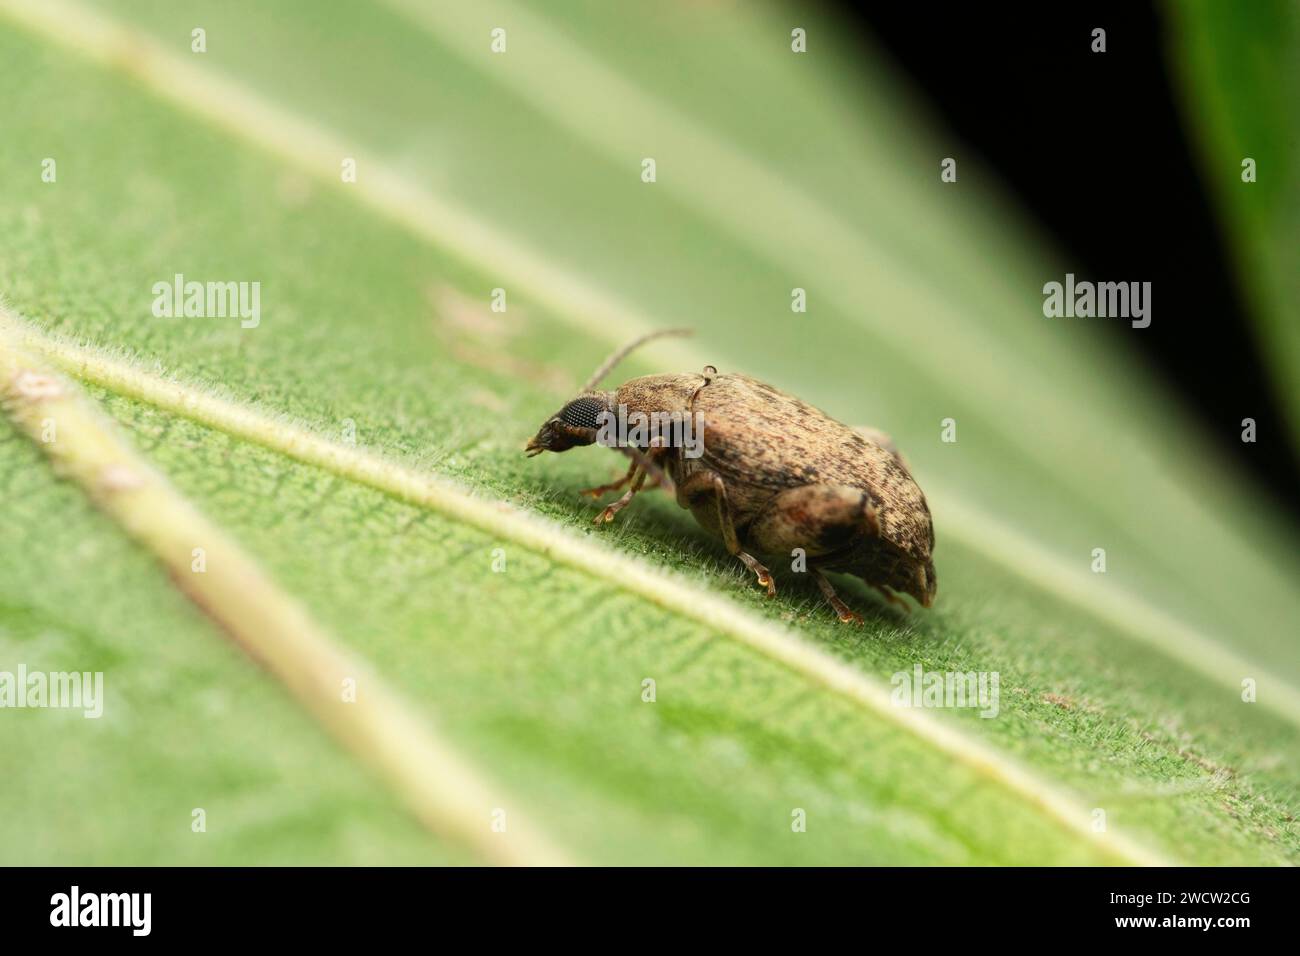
(775, 475)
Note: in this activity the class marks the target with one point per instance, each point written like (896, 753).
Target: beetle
(775, 475)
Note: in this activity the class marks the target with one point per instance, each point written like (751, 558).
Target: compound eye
(582, 412)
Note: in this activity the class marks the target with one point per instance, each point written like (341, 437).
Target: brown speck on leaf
(489, 400)
(1189, 755)
(294, 190)
(459, 314)
(477, 336)
(499, 363)
(36, 387)
(1060, 700)
(117, 478)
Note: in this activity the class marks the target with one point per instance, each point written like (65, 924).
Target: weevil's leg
(708, 482)
(763, 574)
(820, 519)
(609, 512)
(649, 461)
(602, 489)
(893, 598)
(846, 615)
(657, 480)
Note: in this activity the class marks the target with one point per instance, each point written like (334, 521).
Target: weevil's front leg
(763, 574)
(893, 598)
(651, 461)
(647, 460)
(709, 483)
(638, 479)
(602, 489)
(846, 614)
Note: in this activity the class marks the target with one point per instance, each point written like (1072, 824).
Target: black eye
(582, 412)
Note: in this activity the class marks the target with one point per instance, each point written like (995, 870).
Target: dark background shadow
(1095, 147)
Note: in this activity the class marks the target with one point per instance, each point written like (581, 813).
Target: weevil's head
(577, 423)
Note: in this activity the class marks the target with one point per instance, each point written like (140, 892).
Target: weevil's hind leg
(763, 574)
(614, 486)
(704, 483)
(820, 519)
(846, 615)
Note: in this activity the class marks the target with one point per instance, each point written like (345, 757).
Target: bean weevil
(773, 474)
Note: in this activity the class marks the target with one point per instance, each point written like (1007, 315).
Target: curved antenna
(607, 366)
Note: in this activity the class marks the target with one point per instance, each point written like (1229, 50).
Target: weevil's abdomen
(764, 441)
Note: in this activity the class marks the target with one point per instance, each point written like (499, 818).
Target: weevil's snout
(555, 435)
(576, 424)
(536, 445)
(550, 437)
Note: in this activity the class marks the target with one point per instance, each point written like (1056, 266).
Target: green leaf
(518, 171)
(1240, 68)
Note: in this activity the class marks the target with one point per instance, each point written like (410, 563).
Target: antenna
(607, 366)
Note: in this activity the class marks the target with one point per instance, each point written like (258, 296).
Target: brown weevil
(769, 474)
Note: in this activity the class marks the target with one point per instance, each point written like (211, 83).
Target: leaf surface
(1241, 80)
(375, 320)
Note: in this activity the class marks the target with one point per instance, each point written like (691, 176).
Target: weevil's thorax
(659, 396)
(657, 393)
